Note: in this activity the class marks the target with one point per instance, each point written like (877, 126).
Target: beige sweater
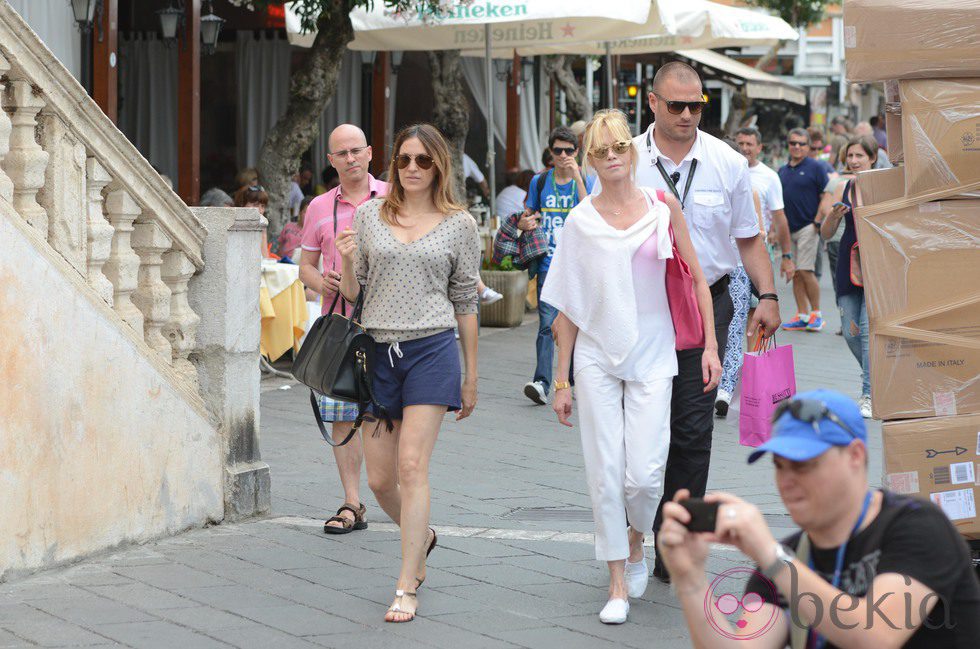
(415, 290)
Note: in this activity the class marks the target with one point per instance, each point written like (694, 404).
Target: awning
(758, 84)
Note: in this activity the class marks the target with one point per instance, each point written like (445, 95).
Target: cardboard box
(880, 185)
(937, 459)
(921, 267)
(940, 133)
(911, 39)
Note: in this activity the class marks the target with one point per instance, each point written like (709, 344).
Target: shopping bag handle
(764, 343)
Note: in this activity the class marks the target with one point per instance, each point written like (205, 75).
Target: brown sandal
(346, 525)
(397, 607)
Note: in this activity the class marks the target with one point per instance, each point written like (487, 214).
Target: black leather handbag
(337, 360)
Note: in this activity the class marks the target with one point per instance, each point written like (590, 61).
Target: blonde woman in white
(607, 280)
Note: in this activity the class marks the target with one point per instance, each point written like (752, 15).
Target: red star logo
(568, 30)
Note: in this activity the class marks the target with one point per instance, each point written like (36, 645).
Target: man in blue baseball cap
(869, 568)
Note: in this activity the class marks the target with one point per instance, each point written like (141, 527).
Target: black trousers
(692, 416)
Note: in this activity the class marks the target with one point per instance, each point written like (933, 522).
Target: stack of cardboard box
(919, 235)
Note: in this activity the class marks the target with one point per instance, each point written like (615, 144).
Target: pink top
(318, 228)
(290, 239)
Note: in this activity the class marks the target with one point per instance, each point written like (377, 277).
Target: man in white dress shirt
(713, 184)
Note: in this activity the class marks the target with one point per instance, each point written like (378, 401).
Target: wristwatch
(784, 557)
(788, 255)
(561, 385)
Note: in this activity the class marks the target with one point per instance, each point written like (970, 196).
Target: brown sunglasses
(677, 107)
(619, 148)
(423, 160)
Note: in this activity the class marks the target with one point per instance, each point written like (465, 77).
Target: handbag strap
(323, 430)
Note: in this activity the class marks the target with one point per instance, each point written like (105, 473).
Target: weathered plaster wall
(97, 448)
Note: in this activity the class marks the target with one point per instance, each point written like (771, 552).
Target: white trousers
(625, 427)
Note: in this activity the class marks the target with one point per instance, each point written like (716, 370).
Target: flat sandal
(428, 551)
(347, 525)
(396, 607)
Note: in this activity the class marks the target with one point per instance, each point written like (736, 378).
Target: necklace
(623, 207)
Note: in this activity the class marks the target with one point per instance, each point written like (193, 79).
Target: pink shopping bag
(768, 377)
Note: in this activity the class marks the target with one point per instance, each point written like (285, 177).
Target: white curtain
(54, 22)
(534, 107)
(345, 107)
(148, 99)
(263, 63)
(476, 77)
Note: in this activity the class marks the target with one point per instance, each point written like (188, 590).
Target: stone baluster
(63, 193)
(26, 161)
(122, 267)
(99, 230)
(182, 328)
(152, 295)
(6, 185)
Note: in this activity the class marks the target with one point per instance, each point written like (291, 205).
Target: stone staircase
(126, 413)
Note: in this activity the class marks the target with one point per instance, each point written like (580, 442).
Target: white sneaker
(614, 612)
(489, 296)
(865, 404)
(722, 402)
(534, 390)
(637, 577)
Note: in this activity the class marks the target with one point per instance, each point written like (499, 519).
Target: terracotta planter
(508, 312)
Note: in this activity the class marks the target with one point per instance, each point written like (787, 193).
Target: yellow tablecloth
(282, 304)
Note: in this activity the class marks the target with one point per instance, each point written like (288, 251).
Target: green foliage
(798, 13)
(507, 263)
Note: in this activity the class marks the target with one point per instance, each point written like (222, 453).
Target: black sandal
(428, 551)
(346, 525)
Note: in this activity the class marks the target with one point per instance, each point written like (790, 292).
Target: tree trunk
(451, 113)
(559, 68)
(769, 56)
(311, 87)
(740, 107)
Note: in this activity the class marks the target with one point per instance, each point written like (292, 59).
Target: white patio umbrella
(698, 24)
(504, 25)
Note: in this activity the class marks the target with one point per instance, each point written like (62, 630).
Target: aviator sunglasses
(677, 107)
(810, 411)
(423, 160)
(619, 148)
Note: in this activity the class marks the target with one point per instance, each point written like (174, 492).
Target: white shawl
(590, 278)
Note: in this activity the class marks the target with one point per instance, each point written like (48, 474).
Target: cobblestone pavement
(514, 566)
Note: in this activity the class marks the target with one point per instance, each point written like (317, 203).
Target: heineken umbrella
(495, 25)
(698, 24)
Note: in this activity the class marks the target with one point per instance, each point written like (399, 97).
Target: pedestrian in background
(415, 255)
(607, 280)
(859, 155)
(803, 180)
(320, 270)
(551, 196)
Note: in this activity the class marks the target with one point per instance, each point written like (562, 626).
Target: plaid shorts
(331, 410)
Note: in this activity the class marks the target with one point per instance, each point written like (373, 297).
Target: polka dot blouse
(415, 290)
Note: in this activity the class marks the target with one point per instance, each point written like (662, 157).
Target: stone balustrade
(75, 179)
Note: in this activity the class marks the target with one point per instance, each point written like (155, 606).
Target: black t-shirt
(910, 537)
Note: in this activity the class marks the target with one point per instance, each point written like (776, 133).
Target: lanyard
(819, 640)
(672, 186)
(554, 187)
(663, 172)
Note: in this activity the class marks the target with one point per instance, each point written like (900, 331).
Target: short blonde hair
(615, 123)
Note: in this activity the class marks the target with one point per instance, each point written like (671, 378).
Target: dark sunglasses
(424, 161)
(810, 411)
(797, 143)
(619, 148)
(677, 107)
(567, 150)
(356, 151)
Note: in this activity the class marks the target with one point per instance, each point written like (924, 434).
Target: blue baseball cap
(800, 441)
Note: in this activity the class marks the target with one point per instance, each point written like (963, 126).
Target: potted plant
(512, 284)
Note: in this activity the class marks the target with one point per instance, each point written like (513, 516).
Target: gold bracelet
(561, 385)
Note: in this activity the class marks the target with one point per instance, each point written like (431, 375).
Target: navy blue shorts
(426, 373)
